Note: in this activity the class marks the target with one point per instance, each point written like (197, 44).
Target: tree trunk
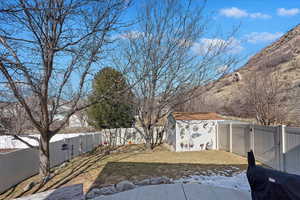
(148, 138)
(44, 156)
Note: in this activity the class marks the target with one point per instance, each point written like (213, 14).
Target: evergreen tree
(116, 110)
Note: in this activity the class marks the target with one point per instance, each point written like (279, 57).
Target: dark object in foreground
(268, 184)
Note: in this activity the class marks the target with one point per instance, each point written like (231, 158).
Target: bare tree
(267, 97)
(14, 122)
(50, 47)
(168, 48)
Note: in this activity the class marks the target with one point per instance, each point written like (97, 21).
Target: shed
(192, 131)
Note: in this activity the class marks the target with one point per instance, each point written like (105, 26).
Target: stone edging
(126, 185)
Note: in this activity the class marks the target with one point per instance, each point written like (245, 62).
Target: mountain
(282, 57)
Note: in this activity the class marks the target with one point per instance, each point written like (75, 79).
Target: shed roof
(196, 116)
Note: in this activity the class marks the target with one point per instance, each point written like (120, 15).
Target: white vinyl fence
(117, 136)
(122, 136)
(292, 151)
(277, 147)
(21, 164)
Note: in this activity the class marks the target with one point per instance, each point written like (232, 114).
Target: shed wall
(195, 135)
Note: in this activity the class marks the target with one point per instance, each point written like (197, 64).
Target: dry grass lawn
(131, 163)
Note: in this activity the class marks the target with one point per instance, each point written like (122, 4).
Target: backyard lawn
(132, 163)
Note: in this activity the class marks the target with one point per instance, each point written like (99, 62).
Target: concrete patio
(179, 192)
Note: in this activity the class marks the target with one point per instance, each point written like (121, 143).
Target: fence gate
(267, 145)
(241, 139)
(292, 151)
(223, 137)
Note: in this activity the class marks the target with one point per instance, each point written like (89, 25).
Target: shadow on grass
(73, 169)
(76, 169)
(10, 192)
(60, 177)
(114, 172)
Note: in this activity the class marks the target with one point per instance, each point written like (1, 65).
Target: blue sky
(261, 21)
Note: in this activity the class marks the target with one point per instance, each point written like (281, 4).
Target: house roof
(196, 116)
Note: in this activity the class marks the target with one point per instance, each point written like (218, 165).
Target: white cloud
(256, 37)
(259, 15)
(287, 12)
(233, 12)
(239, 13)
(213, 45)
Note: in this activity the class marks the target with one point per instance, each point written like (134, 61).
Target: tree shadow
(89, 162)
(59, 177)
(82, 166)
(10, 192)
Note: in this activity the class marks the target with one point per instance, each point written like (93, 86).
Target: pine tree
(115, 111)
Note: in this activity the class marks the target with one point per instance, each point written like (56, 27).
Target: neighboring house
(188, 131)
(77, 120)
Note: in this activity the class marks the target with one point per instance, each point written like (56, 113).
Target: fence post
(80, 144)
(282, 151)
(252, 137)
(217, 136)
(230, 137)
